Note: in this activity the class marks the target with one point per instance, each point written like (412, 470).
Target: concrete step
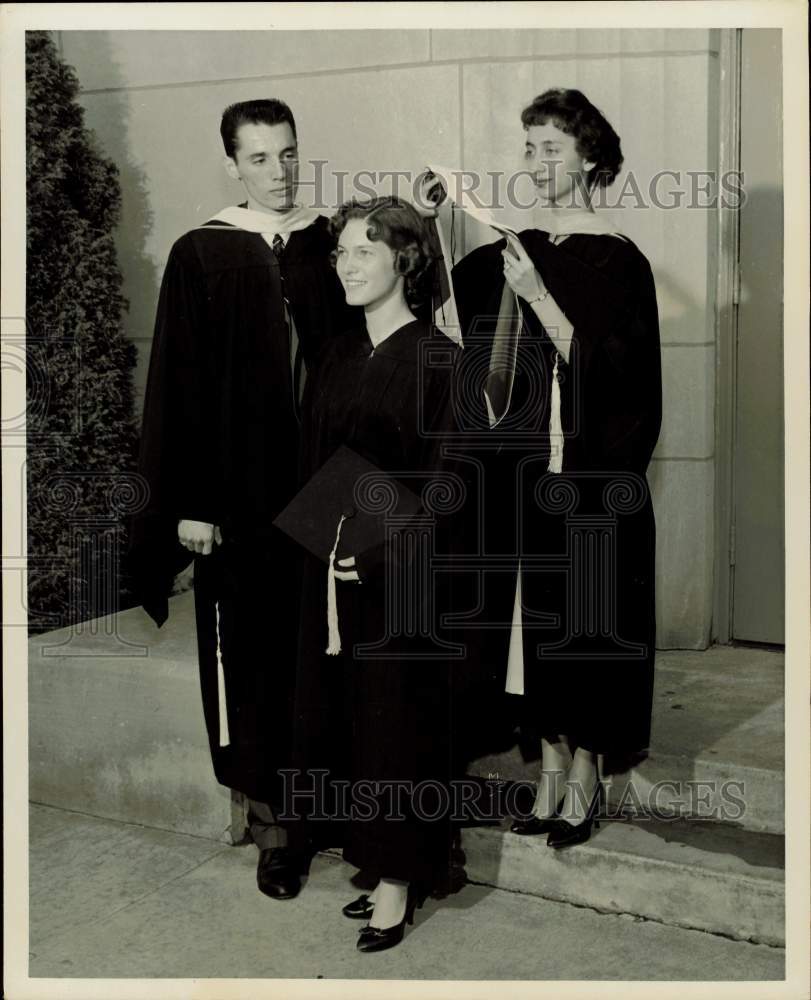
(701, 875)
(114, 901)
(116, 725)
(716, 743)
(116, 731)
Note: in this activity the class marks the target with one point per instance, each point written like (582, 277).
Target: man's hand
(198, 536)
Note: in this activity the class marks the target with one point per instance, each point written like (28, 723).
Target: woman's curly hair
(394, 222)
(574, 114)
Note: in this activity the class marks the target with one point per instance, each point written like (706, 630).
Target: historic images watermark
(318, 797)
(323, 188)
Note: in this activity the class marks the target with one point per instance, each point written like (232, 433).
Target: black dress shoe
(380, 938)
(533, 826)
(278, 873)
(565, 834)
(359, 909)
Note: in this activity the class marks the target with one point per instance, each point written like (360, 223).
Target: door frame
(726, 335)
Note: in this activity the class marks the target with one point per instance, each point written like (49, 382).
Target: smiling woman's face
(365, 267)
(557, 169)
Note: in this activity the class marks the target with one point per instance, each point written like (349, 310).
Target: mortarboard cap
(345, 504)
(347, 486)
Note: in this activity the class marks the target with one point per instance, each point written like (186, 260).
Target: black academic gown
(220, 444)
(584, 537)
(375, 716)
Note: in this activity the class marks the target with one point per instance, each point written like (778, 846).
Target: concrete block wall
(390, 100)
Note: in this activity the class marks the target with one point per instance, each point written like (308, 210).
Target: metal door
(758, 556)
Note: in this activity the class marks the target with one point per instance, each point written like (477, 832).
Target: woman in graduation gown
(561, 422)
(376, 717)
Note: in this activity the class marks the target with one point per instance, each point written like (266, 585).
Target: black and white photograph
(405, 549)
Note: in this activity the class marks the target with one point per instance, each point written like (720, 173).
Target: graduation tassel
(446, 315)
(222, 707)
(334, 646)
(555, 427)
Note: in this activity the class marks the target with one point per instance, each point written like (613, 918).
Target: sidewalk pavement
(116, 900)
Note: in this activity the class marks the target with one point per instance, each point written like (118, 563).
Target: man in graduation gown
(247, 300)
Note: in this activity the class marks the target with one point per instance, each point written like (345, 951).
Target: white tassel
(555, 426)
(334, 646)
(222, 709)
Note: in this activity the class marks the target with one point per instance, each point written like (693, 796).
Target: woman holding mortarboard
(375, 718)
(562, 386)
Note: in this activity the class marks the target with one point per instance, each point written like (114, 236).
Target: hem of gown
(426, 878)
(597, 747)
(257, 790)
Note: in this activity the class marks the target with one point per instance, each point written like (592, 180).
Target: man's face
(266, 161)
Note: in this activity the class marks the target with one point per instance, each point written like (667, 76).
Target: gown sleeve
(606, 291)
(178, 444)
(316, 296)
(610, 299)
(477, 281)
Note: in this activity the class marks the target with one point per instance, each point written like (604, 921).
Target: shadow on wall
(141, 276)
(141, 280)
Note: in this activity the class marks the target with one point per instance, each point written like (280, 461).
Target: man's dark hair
(265, 112)
(574, 114)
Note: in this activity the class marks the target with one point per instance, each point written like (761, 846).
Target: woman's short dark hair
(265, 112)
(397, 224)
(574, 114)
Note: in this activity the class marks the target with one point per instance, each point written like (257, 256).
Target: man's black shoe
(278, 873)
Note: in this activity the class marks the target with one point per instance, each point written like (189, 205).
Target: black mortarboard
(347, 485)
(343, 509)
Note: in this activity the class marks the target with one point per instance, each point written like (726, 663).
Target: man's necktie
(277, 246)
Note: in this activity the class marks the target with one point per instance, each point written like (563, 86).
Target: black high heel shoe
(380, 938)
(566, 834)
(359, 909)
(534, 825)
